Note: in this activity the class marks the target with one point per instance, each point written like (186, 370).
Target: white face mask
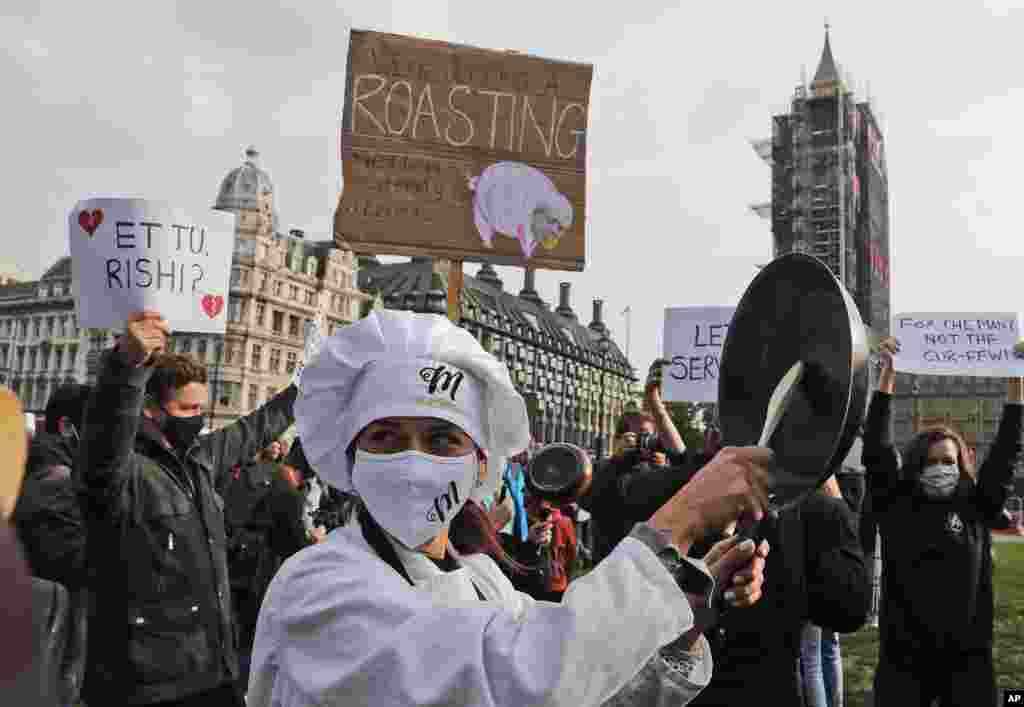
(940, 480)
(412, 495)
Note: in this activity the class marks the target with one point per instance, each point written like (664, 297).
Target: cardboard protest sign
(461, 153)
(958, 344)
(693, 344)
(130, 255)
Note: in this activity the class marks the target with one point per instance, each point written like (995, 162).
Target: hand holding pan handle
(777, 405)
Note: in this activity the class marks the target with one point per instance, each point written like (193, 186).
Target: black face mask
(181, 432)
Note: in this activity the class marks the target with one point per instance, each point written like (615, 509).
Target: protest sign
(693, 345)
(958, 344)
(130, 255)
(462, 153)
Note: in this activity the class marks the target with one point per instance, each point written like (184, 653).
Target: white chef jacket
(339, 626)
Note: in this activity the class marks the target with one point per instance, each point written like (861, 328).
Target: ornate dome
(245, 188)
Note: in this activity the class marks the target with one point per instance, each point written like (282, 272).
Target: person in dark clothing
(815, 572)
(629, 486)
(935, 513)
(156, 536)
(48, 516)
(263, 511)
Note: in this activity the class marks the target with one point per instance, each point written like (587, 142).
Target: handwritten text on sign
(463, 153)
(958, 344)
(134, 254)
(693, 345)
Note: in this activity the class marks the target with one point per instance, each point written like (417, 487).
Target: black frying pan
(795, 310)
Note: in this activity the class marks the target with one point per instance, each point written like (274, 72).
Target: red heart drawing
(90, 221)
(212, 305)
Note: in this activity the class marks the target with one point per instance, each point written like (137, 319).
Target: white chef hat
(402, 364)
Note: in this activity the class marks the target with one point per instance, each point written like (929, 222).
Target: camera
(648, 442)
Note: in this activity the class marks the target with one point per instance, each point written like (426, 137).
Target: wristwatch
(691, 575)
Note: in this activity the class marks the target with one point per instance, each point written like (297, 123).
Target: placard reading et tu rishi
(130, 255)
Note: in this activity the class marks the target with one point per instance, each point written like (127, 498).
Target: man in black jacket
(156, 525)
(815, 572)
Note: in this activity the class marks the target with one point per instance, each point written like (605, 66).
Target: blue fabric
(821, 667)
(515, 482)
(832, 668)
(810, 667)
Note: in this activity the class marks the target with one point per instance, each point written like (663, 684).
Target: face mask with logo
(181, 432)
(414, 496)
(940, 480)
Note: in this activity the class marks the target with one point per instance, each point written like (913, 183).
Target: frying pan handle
(752, 531)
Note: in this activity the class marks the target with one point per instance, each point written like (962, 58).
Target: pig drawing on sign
(520, 202)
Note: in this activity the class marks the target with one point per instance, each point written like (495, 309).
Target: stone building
(279, 284)
(574, 378)
(41, 345)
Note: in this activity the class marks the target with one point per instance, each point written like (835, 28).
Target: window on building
(234, 311)
(254, 396)
(275, 360)
(74, 326)
(278, 285)
(37, 325)
(201, 349)
(278, 322)
(49, 326)
(32, 359)
(293, 292)
(62, 326)
(293, 325)
(72, 357)
(59, 358)
(236, 277)
(310, 297)
(293, 360)
(257, 356)
(186, 346)
(229, 355)
(261, 314)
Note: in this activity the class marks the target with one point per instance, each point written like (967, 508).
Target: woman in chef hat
(404, 605)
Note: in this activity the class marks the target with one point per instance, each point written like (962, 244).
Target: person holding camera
(549, 553)
(649, 464)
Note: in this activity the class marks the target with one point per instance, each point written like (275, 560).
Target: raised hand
(145, 335)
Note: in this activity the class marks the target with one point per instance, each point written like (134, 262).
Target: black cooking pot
(796, 310)
(559, 472)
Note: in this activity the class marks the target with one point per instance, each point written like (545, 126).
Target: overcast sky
(159, 99)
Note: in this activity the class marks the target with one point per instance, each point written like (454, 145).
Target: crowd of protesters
(393, 552)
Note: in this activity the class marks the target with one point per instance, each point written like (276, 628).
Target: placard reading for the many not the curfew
(958, 344)
(130, 255)
(693, 346)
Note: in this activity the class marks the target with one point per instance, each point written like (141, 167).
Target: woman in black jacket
(934, 513)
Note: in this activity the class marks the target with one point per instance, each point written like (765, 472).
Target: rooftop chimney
(488, 274)
(563, 302)
(598, 324)
(529, 291)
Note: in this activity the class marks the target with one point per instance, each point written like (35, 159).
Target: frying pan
(795, 310)
(560, 473)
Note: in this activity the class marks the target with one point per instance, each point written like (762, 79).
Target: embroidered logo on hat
(442, 379)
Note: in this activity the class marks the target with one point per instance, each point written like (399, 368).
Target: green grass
(860, 650)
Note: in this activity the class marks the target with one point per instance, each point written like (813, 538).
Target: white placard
(693, 344)
(958, 344)
(130, 255)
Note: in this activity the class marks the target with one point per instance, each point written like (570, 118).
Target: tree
(687, 418)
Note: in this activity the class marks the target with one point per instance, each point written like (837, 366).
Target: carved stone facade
(279, 284)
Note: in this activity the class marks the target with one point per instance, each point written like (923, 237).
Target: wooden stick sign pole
(455, 290)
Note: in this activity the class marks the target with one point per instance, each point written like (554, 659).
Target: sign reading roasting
(462, 153)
